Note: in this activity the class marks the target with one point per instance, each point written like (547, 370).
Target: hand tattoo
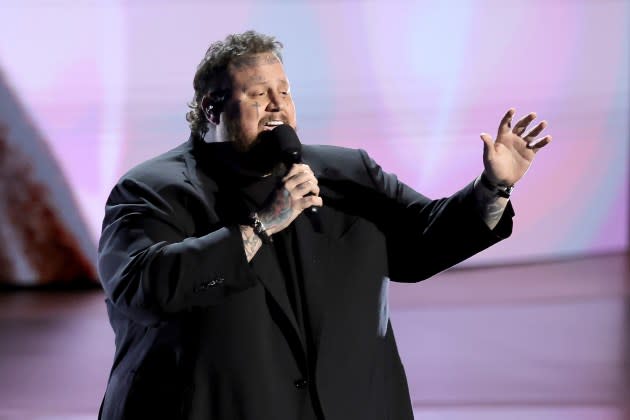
(280, 209)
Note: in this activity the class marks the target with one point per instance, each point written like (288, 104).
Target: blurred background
(537, 325)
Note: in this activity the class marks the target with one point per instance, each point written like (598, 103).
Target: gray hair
(214, 66)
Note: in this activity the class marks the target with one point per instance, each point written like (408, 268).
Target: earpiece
(214, 103)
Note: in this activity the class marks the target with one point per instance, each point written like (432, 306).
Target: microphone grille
(288, 143)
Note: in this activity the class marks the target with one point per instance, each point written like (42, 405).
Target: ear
(212, 109)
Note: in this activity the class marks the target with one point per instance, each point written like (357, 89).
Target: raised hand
(507, 158)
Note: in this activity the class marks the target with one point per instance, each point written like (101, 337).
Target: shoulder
(326, 158)
(344, 163)
(164, 178)
(160, 171)
(330, 153)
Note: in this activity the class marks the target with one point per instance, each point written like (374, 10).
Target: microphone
(289, 148)
(287, 144)
(280, 145)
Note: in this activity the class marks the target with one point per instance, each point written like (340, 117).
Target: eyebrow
(250, 84)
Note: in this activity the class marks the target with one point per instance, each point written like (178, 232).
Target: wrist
(498, 189)
(259, 228)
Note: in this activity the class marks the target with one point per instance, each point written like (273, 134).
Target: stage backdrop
(90, 89)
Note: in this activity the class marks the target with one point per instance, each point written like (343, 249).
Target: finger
(488, 146)
(313, 188)
(305, 188)
(296, 169)
(299, 179)
(536, 145)
(311, 200)
(521, 125)
(535, 131)
(506, 121)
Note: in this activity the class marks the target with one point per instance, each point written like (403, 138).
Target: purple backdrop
(412, 82)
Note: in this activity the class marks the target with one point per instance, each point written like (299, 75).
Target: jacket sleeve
(424, 236)
(151, 265)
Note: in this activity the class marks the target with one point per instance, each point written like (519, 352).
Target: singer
(246, 275)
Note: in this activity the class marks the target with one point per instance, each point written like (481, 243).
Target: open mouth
(270, 125)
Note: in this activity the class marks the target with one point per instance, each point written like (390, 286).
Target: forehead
(256, 68)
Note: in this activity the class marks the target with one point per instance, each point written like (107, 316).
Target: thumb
(488, 146)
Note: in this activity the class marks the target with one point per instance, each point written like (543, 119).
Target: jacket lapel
(268, 271)
(314, 255)
(311, 252)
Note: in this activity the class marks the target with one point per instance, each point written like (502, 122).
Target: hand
(507, 159)
(299, 191)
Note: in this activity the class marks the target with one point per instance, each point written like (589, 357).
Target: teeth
(274, 123)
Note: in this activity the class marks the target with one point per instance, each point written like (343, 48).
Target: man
(231, 299)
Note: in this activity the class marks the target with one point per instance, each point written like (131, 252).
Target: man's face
(259, 99)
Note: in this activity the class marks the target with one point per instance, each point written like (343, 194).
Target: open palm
(507, 158)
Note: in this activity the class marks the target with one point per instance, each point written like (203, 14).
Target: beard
(233, 132)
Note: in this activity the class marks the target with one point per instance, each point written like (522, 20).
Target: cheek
(245, 115)
(250, 119)
(251, 113)
(291, 109)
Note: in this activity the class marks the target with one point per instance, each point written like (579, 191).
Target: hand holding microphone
(300, 188)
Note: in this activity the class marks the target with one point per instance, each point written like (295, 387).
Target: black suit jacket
(201, 334)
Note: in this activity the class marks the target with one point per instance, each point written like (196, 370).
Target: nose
(275, 102)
